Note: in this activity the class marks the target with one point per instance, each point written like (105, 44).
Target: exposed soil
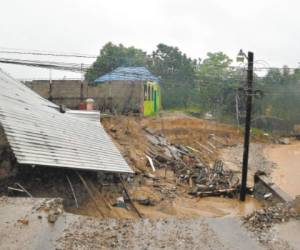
(233, 156)
(172, 219)
(169, 196)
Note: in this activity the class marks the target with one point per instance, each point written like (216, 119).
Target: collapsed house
(39, 133)
(130, 89)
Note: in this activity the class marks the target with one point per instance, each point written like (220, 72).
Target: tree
(177, 73)
(218, 83)
(281, 99)
(112, 56)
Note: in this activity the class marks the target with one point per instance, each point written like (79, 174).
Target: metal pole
(81, 83)
(237, 109)
(247, 125)
(50, 85)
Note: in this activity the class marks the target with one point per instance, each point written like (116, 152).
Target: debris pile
(263, 219)
(54, 208)
(188, 167)
(214, 181)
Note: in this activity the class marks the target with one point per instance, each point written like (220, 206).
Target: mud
(287, 172)
(233, 156)
(169, 196)
(176, 221)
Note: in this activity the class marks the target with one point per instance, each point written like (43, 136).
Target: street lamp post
(248, 92)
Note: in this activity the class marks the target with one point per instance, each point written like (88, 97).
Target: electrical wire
(75, 67)
(44, 53)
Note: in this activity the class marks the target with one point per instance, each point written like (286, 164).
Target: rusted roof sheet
(40, 135)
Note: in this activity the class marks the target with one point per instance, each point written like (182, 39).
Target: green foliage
(217, 84)
(281, 99)
(210, 86)
(112, 56)
(177, 73)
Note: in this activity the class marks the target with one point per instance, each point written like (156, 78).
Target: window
(149, 93)
(152, 93)
(145, 92)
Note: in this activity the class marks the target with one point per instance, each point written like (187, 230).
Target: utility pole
(248, 92)
(81, 83)
(237, 109)
(50, 85)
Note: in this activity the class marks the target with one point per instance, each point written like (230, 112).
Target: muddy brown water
(287, 172)
(180, 207)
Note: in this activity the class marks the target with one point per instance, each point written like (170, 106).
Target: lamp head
(241, 56)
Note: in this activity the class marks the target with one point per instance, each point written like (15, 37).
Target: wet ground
(81, 232)
(280, 162)
(177, 221)
(172, 233)
(233, 156)
(286, 173)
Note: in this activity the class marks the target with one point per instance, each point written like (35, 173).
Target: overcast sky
(269, 28)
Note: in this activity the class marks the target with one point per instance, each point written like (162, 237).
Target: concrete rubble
(262, 220)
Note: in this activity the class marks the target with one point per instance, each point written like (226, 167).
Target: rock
(268, 195)
(24, 221)
(296, 204)
(146, 201)
(52, 217)
(120, 202)
(284, 141)
(114, 130)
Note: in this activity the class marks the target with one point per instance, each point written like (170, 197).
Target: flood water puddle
(287, 172)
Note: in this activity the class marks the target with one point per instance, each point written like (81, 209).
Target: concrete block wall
(116, 96)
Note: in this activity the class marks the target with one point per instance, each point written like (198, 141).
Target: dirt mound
(204, 136)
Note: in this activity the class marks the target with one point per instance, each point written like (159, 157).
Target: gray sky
(270, 28)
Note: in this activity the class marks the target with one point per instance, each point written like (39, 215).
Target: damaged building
(130, 89)
(37, 132)
(123, 90)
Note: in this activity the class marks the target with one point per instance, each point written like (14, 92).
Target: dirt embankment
(130, 138)
(163, 193)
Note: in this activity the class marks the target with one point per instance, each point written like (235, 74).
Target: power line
(44, 53)
(75, 67)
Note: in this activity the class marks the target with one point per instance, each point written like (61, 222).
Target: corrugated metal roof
(40, 135)
(92, 116)
(128, 74)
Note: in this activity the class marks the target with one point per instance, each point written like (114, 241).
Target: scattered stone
(114, 130)
(268, 195)
(146, 201)
(54, 208)
(52, 217)
(262, 220)
(120, 202)
(24, 221)
(284, 141)
(296, 204)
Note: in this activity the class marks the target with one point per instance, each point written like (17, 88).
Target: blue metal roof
(128, 74)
